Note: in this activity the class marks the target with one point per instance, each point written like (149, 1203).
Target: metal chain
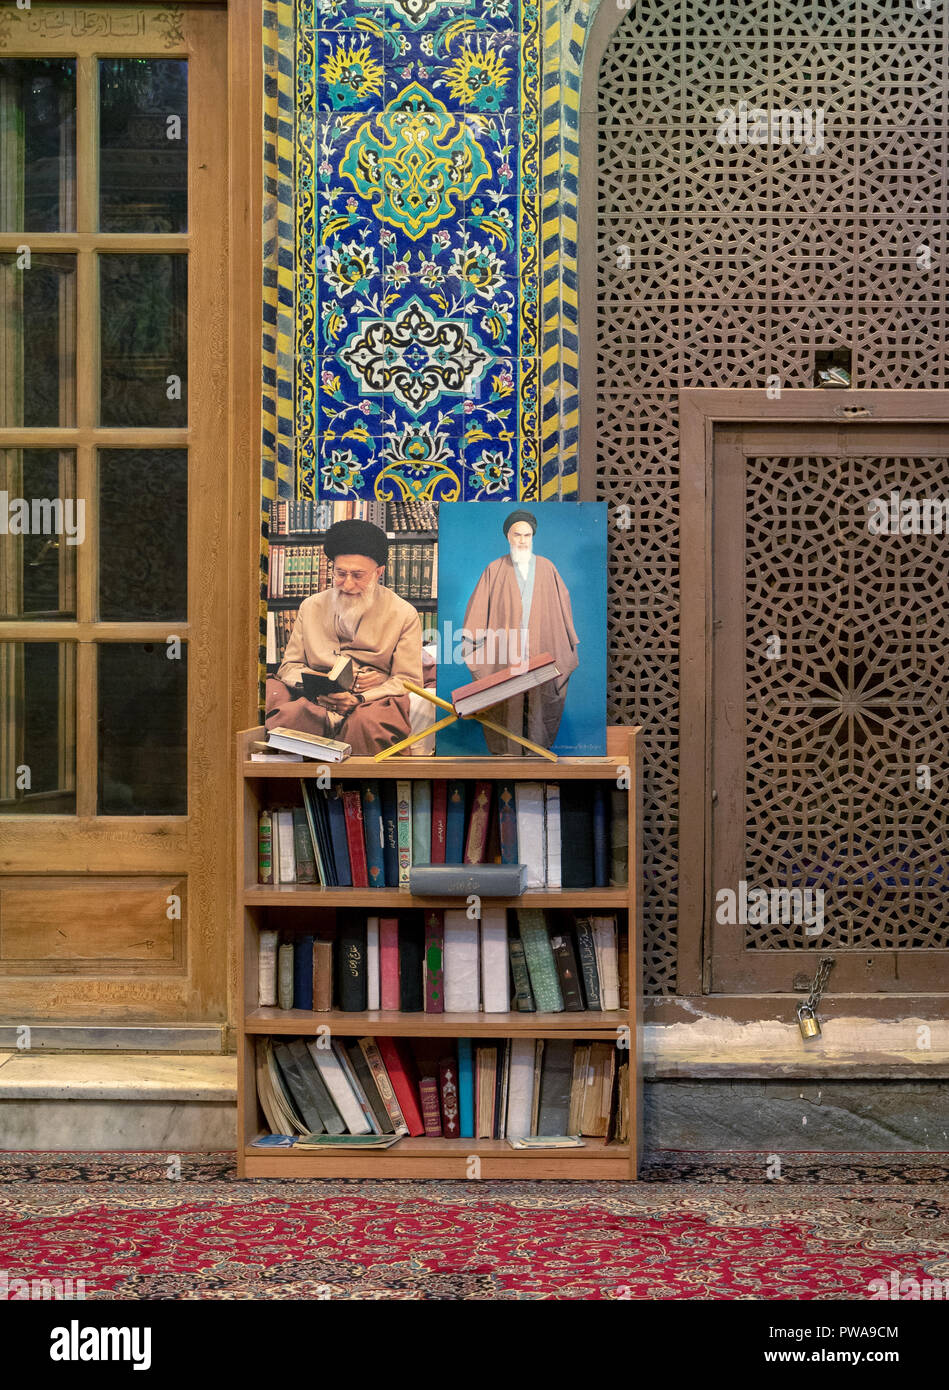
(824, 966)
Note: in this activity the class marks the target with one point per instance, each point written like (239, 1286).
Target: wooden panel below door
(99, 926)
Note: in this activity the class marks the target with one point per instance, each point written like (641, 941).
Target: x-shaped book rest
(452, 719)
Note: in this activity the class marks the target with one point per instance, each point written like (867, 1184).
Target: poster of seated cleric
(347, 600)
(522, 623)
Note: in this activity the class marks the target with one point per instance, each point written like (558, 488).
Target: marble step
(99, 1101)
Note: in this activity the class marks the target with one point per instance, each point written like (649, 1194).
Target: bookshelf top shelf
(480, 768)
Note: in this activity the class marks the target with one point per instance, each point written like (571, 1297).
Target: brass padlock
(808, 1022)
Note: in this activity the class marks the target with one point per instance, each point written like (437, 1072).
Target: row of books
(443, 961)
(569, 835)
(279, 627)
(294, 571)
(287, 517)
(412, 516)
(444, 1088)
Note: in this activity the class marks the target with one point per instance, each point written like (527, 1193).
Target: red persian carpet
(712, 1226)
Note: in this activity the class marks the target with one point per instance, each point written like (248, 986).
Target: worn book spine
(461, 962)
(331, 1120)
(507, 822)
(265, 848)
(578, 1086)
(372, 826)
(303, 847)
(322, 975)
(520, 1088)
(381, 1077)
(267, 968)
(586, 950)
(607, 960)
(439, 821)
(285, 856)
(355, 1085)
(421, 822)
(567, 971)
(389, 997)
(431, 1110)
(352, 809)
(601, 836)
(556, 1075)
(478, 824)
(552, 819)
(351, 963)
(434, 961)
(495, 991)
(448, 1090)
(531, 838)
(405, 832)
(303, 972)
(372, 963)
(411, 954)
(541, 966)
(619, 838)
(337, 1084)
(383, 1123)
(523, 995)
(285, 975)
(455, 823)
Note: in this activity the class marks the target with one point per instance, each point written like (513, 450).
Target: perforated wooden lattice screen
(720, 264)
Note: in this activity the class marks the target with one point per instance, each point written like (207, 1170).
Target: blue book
(303, 972)
(601, 836)
(507, 823)
(372, 829)
(421, 822)
(390, 832)
(455, 824)
(466, 1125)
(337, 819)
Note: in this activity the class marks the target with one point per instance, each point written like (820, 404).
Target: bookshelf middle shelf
(307, 895)
(392, 1023)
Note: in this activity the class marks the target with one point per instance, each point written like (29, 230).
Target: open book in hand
(340, 676)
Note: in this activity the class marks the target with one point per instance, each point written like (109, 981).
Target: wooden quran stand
(452, 719)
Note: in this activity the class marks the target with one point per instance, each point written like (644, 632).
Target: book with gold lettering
(351, 977)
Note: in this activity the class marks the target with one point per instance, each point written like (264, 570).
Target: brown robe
(495, 605)
(388, 638)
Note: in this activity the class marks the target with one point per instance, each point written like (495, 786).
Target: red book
(433, 970)
(439, 821)
(431, 1111)
(478, 825)
(494, 689)
(389, 992)
(448, 1084)
(399, 1065)
(352, 808)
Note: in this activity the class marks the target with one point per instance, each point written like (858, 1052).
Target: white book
(607, 960)
(552, 824)
(267, 969)
(372, 963)
(271, 640)
(341, 1093)
(460, 963)
(284, 854)
(359, 1091)
(495, 965)
(520, 1092)
(531, 836)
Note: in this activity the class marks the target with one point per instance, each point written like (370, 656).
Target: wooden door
(113, 603)
(821, 693)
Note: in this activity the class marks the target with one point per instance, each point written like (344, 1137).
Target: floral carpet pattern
(699, 1226)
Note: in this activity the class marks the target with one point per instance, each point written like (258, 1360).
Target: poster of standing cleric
(522, 598)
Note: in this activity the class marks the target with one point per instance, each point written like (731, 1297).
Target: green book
(541, 966)
(522, 983)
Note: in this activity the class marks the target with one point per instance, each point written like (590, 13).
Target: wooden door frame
(701, 413)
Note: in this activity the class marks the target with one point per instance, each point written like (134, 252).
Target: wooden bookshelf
(258, 785)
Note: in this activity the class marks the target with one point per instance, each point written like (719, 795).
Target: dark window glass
(143, 306)
(42, 523)
(38, 140)
(142, 729)
(37, 728)
(143, 145)
(143, 534)
(38, 337)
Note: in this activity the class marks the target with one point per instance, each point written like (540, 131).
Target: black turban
(356, 538)
(515, 517)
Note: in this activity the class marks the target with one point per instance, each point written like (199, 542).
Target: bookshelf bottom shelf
(444, 1158)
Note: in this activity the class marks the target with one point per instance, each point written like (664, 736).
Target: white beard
(349, 609)
(522, 559)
